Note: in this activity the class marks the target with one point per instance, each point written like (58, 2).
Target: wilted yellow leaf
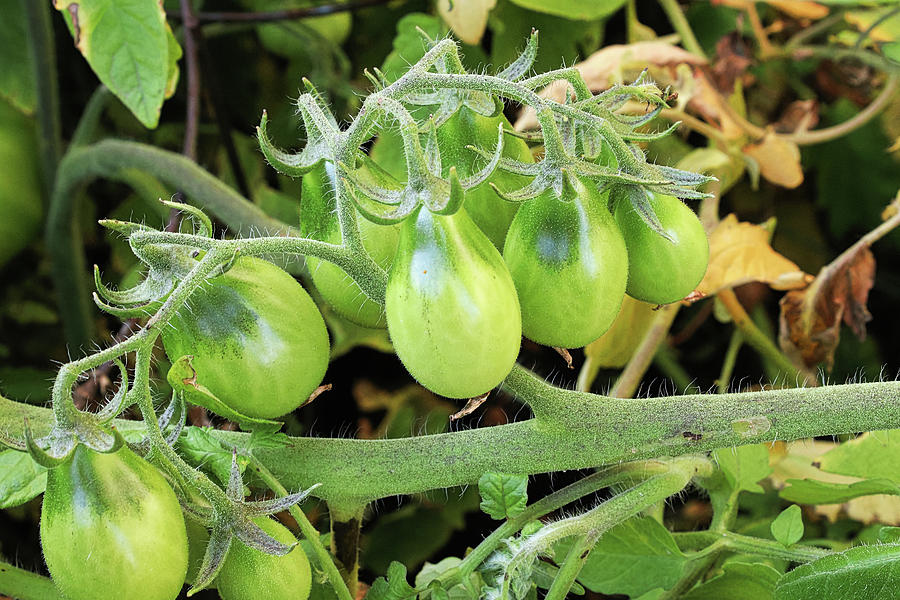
(739, 253)
(778, 159)
(797, 460)
(615, 347)
(467, 18)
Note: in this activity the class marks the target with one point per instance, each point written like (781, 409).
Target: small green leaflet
(21, 479)
(860, 573)
(632, 558)
(130, 48)
(395, 587)
(462, 591)
(503, 496)
(739, 581)
(201, 449)
(873, 455)
(810, 491)
(787, 528)
(184, 379)
(744, 466)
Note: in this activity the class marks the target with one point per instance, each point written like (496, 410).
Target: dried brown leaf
(732, 60)
(810, 323)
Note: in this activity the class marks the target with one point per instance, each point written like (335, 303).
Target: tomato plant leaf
(21, 479)
(872, 455)
(126, 44)
(576, 10)
(503, 496)
(860, 573)
(394, 587)
(468, 590)
(744, 466)
(17, 75)
(184, 379)
(810, 491)
(632, 558)
(466, 18)
(787, 528)
(738, 581)
(201, 449)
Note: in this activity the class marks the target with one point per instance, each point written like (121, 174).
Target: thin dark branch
(280, 15)
(192, 117)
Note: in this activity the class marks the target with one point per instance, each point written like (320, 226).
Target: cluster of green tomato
(464, 288)
(111, 528)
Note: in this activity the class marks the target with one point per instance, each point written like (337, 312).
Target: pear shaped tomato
(661, 270)
(466, 127)
(569, 264)
(318, 220)
(249, 574)
(452, 310)
(258, 341)
(112, 528)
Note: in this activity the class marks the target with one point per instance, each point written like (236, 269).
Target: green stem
(759, 341)
(87, 126)
(681, 25)
(746, 544)
(734, 346)
(25, 585)
(43, 51)
(571, 567)
(593, 430)
(308, 531)
(630, 377)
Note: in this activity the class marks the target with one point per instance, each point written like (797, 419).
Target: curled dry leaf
(739, 253)
(605, 67)
(778, 160)
(810, 323)
(732, 60)
(798, 460)
(467, 18)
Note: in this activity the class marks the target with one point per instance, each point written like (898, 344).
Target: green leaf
(26, 384)
(810, 491)
(201, 449)
(744, 466)
(468, 590)
(21, 479)
(409, 46)
(860, 573)
(543, 575)
(632, 558)
(889, 535)
(503, 496)
(395, 587)
(787, 528)
(578, 10)
(739, 581)
(17, 75)
(873, 455)
(126, 44)
(184, 379)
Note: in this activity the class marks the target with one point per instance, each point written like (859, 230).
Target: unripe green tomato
(319, 221)
(570, 266)
(464, 128)
(660, 271)
(111, 528)
(20, 187)
(452, 311)
(258, 341)
(249, 574)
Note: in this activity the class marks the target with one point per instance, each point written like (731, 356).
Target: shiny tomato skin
(570, 266)
(249, 574)
(258, 340)
(463, 128)
(452, 311)
(661, 271)
(319, 221)
(112, 528)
